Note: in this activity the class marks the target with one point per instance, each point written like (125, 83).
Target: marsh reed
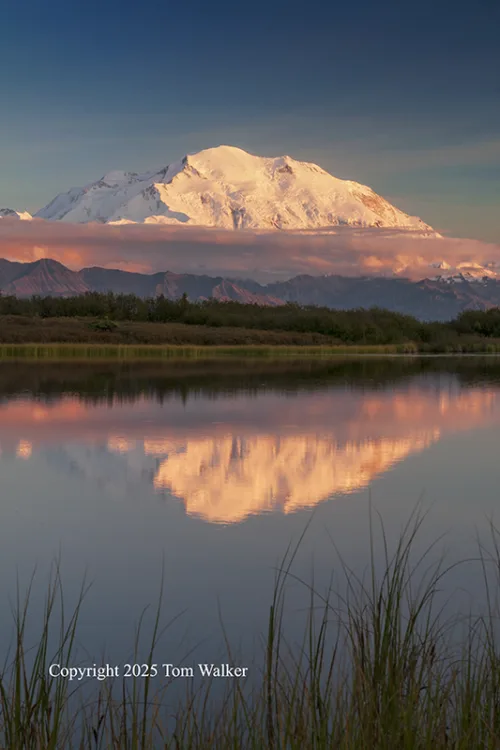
(379, 667)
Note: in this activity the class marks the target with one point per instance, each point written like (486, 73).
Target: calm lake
(210, 470)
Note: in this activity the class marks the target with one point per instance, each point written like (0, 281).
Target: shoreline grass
(179, 351)
(159, 352)
(389, 676)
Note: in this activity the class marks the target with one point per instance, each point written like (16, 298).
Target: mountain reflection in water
(242, 454)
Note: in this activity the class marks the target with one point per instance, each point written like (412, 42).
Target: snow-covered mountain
(464, 272)
(9, 213)
(229, 188)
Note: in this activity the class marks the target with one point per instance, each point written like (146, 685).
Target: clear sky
(402, 96)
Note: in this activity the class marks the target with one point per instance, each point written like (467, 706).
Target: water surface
(211, 470)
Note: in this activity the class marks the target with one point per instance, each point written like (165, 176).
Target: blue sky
(403, 97)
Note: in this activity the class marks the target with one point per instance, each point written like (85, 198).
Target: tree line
(357, 326)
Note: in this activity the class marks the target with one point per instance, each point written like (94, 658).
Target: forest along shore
(119, 320)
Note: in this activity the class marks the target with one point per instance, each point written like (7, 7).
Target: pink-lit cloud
(259, 255)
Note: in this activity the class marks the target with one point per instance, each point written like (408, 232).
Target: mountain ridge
(430, 299)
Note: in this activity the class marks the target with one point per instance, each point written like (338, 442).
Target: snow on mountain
(442, 265)
(470, 272)
(475, 271)
(9, 213)
(228, 188)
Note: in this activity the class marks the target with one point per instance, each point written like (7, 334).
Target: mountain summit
(229, 188)
(9, 213)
